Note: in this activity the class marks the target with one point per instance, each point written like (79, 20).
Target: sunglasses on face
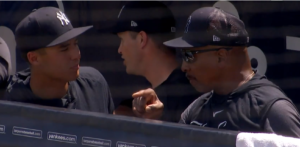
(188, 55)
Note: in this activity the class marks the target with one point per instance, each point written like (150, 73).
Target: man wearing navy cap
(215, 59)
(47, 40)
(143, 27)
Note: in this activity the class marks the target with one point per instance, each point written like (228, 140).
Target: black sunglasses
(188, 55)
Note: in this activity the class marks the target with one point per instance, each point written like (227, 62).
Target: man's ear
(33, 58)
(142, 38)
(222, 55)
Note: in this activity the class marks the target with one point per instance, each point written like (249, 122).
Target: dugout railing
(27, 125)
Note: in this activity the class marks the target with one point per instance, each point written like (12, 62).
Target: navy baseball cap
(149, 16)
(211, 26)
(45, 27)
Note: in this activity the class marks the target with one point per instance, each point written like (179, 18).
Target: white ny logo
(62, 17)
(187, 24)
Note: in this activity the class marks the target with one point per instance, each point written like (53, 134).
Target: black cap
(45, 27)
(211, 26)
(149, 16)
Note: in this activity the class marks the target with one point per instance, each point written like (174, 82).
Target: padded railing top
(47, 117)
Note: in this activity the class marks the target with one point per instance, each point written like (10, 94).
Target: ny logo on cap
(187, 24)
(121, 11)
(62, 17)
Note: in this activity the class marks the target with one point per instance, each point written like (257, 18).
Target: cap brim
(69, 35)
(4, 51)
(180, 43)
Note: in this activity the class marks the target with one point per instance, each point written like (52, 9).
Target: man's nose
(185, 67)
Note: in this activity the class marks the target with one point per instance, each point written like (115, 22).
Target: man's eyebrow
(64, 45)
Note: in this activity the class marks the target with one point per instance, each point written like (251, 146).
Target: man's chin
(201, 89)
(77, 74)
(74, 76)
(128, 71)
(132, 72)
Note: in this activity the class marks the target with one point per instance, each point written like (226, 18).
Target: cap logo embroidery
(216, 38)
(121, 11)
(173, 29)
(133, 24)
(62, 17)
(187, 24)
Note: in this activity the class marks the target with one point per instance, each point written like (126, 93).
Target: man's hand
(146, 104)
(124, 110)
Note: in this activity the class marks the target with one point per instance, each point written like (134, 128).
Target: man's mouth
(190, 77)
(75, 66)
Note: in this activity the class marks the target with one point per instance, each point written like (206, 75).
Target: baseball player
(47, 41)
(214, 48)
(143, 27)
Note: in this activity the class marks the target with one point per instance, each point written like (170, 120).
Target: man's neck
(160, 69)
(47, 88)
(233, 81)
(237, 72)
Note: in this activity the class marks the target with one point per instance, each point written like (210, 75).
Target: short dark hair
(158, 39)
(24, 53)
(24, 56)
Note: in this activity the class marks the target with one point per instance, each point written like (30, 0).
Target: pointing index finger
(138, 94)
